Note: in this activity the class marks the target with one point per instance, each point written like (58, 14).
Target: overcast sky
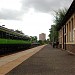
(31, 16)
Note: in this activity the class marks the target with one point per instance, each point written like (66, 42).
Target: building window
(72, 30)
(69, 35)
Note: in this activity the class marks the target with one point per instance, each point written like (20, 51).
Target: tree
(58, 18)
(33, 39)
(53, 34)
(40, 42)
(18, 31)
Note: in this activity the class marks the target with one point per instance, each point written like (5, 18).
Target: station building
(67, 30)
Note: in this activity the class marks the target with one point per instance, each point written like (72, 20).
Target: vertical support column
(59, 36)
(63, 37)
(66, 32)
(71, 37)
(74, 26)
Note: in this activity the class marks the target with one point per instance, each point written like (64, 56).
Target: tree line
(58, 19)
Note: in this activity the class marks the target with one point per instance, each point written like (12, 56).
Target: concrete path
(47, 61)
(9, 62)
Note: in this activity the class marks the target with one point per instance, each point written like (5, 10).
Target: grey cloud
(39, 5)
(45, 5)
(10, 14)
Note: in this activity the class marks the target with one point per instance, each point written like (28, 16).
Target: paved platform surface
(47, 61)
(7, 63)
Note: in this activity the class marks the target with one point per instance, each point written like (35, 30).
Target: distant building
(42, 36)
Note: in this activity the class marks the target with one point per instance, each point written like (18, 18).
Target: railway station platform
(7, 63)
(42, 60)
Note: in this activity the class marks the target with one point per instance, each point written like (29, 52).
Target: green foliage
(40, 42)
(9, 41)
(43, 42)
(33, 39)
(19, 32)
(53, 34)
(58, 18)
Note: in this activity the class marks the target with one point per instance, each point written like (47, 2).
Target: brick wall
(70, 47)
